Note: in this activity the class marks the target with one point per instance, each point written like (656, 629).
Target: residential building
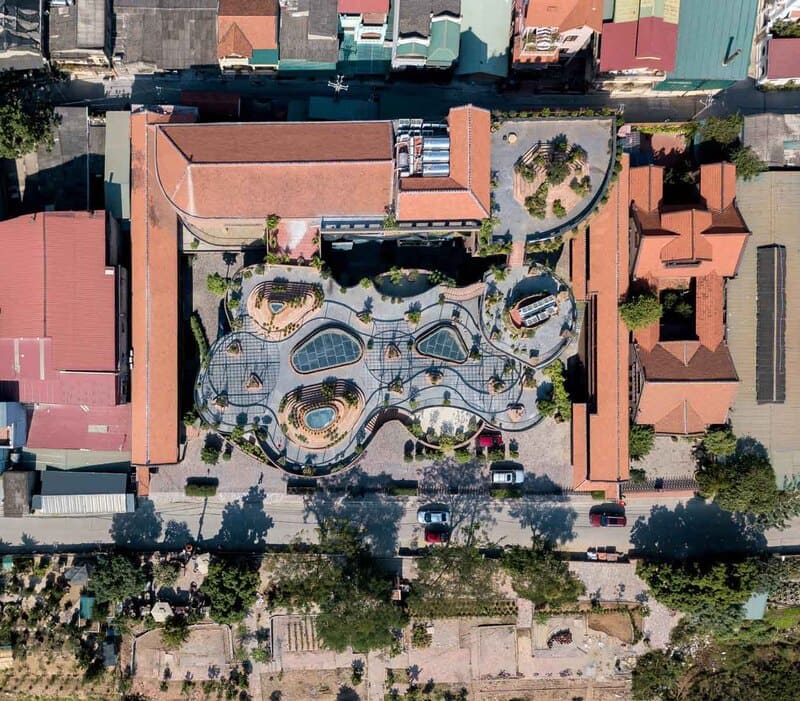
(683, 377)
(775, 51)
(427, 33)
(152, 35)
(78, 34)
(64, 331)
(775, 138)
(639, 40)
(549, 31)
(485, 39)
(21, 35)
(309, 35)
(217, 183)
(599, 427)
(366, 46)
(69, 493)
(18, 486)
(714, 45)
(13, 430)
(763, 323)
(247, 34)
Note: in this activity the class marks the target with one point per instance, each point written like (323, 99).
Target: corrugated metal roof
(714, 40)
(771, 324)
(72, 482)
(85, 504)
(485, 37)
(118, 165)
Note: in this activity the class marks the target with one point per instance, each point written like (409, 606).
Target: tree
(116, 578)
(541, 576)
(640, 440)
(354, 618)
(27, 120)
(702, 586)
(166, 573)
(210, 453)
(723, 130)
(785, 29)
(217, 284)
(748, 164)
(719, 442)
(656, 676)
(556, 402)
(231, 584)
(640, 310)
(175, 632)
(558, 209)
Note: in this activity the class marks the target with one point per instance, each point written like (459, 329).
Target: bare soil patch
(301, 685)
(615, 623)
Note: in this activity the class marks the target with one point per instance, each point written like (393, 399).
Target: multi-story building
(427, 33)
(777, 43)
(365, 46)
(247, 34)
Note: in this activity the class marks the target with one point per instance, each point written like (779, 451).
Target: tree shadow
(693, 530)
(347, 693)
(462, 488)
(356, 497)
(546, 520)
(177, 534)
(244, 525)
(139, 529)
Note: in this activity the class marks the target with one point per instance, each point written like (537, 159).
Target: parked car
(603, 519)
(434, 514)
(437, 535)
(490, 440)
(508, 475)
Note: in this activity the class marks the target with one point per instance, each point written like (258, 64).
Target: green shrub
(640, 440)
(719, 441)
(420, 637)
(536, 204)
(199, 334)
(558, 209)
(217, 284)
(201, 487)
(209, 454)
(640, 310)
(557, 402)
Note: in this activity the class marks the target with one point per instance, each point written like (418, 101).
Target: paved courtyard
(591, 134)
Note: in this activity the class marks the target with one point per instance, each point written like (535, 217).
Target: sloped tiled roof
(465, 194)
(565, 14)
(244, 25)
(648, 43)
(363, 7)
(239, 171)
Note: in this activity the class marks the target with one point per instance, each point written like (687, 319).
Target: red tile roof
(73, 428)
(465, 194)
(565, 14)
(600, 428)
(244, 25)
(55, 284)
(783, 58)
(363, 7)
(648, 43)
(718, 185)
(297, 171)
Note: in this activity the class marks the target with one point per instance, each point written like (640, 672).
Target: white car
(506, 476)
(433, 514)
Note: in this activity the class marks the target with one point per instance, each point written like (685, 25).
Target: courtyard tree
(556, 402)
(116, 578)
(640, 440)
(357, 619)
(748, 164)
(723, 130)
(217, 284)
(175, 632)
(27, 119)
(231, 584)
(719, 441)
(541, 576)
(640, 310)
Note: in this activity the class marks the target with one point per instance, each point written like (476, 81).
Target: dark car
(437, 535)
(601, 519)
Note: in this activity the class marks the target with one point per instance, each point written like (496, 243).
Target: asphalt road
(670, 527)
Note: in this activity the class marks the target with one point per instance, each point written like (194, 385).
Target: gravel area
(669, 458)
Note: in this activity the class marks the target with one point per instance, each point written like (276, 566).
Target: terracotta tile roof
(73, 428)
(465, 194)
(647, 187)
(709, 307)
(718, 185)
(295, 170)
(565, 14)
(685, 407)
(244, 25)
(600, 442)
(362, 7)
(687, 361)
(783, 58)
(649, 43)
(54, 283)
(154, 292)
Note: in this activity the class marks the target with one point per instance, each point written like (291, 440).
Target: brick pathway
(517, 257)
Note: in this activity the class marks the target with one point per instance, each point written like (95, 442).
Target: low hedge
(202, 487)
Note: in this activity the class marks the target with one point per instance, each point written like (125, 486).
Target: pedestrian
(261, 478)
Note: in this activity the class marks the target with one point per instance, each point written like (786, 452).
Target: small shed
(161, 611)
(73, 492)
(77, 576)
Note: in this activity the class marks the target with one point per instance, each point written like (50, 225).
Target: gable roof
(55, 285)
(363, 7)
(647, 43)
(465, 194)
(297, 170)
(299, 38)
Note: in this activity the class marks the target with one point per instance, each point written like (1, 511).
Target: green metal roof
(412, 48)
(264, 57)
(485, 37)
(714, 40)
(363, 59)
(444, 42)
(298, 64)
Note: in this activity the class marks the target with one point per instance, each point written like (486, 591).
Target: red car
(490, 440)
(601, 519)
(437, 535)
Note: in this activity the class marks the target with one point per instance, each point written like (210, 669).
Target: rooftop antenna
(338, 85)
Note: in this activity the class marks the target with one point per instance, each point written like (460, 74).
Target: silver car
(434, 514)
(507, 476)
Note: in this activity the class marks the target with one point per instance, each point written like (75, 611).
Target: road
(670, 527)
(402, 99)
